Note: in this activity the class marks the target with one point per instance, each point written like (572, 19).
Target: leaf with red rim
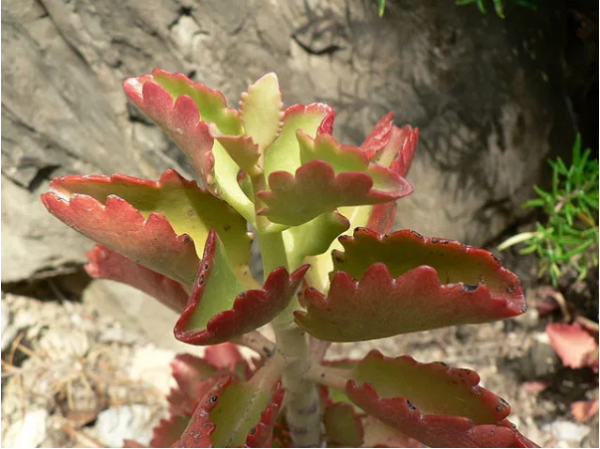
(234, 414)
(168, 431)
(143, 219)
(379, 136)
(221, 308)
(260, 110)
(399, 151)
(184, 109)
(432, 403)
(242, 150)
(107, 264)
(284, 153)
(408, 283)
(343, 426)
(572, 343)
(316, 188)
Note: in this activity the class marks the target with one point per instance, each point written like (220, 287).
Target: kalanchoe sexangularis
(322, 213)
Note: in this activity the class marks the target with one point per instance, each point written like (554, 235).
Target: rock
(9, 332)
(482, 90)
(152, 365)
(28, 432)
(128, 422)
(567, 431)
(136, 311)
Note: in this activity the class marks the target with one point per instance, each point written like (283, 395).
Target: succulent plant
(322, 213)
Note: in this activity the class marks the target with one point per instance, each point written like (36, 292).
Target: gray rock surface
(482, 90)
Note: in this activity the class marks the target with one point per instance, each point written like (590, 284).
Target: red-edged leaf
(107, 264)
(184, 110)
(169, 431)
(225, 355)
(400, 150)
(343, 426)
(154, 223)
(408, 283)
(284, 153)
(221, 308)
(435, 430)
(315, 189)
(242, 150)
(194, 377)
(572, 344)
(382, 217)
(379, 136)
(233, 414)
(583, 411)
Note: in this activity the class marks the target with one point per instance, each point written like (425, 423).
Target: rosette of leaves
(322, 213)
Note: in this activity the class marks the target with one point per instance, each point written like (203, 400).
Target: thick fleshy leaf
(399, 150)
(169, 431)
(221, 308)
(343, 426)
(316, 188)
(313, 238)
(572, 343)
(128, 214)
(194, 377)
(433, 388)
(284, 153)
(107, 264)
(184, 109)
(260, 110)
(432, 403)
(408, 283)
(379, 136)
(234, 414)
(242, 150)
(435, 430)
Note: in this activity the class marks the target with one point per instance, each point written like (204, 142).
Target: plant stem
(302, 407)
(302, 410)
(257, 342)
(330, 377)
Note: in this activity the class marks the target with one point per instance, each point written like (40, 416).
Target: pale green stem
(302, 407)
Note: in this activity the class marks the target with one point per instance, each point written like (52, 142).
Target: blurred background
(496, 98)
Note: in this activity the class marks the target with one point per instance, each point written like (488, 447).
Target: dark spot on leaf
(360, 229)
(492, 432)
(206, 266)
(411, 405)
(190, 212)
(417, 235)
(311, 289)
(442, 363)
(214, 399)
(226, 228)
(495, 258)
(201, 279)
(503, 401)
(499, 408)
(242, 295)
(187, 239)
(252, 431)
(469, 287)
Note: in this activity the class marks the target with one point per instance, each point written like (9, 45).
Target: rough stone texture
(484, 91)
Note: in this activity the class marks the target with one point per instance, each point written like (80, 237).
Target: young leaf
(107, 264)
(284, 153)
(260, 110)
(153, 223)
(408, 283)
(184, 109)
(378, 434)
(316, 188)
(221, 308)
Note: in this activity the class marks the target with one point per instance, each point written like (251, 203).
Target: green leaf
(260, 110)
(220, 306)
(284, 153)
(120, 211)
(343, 427)
(386, 285)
